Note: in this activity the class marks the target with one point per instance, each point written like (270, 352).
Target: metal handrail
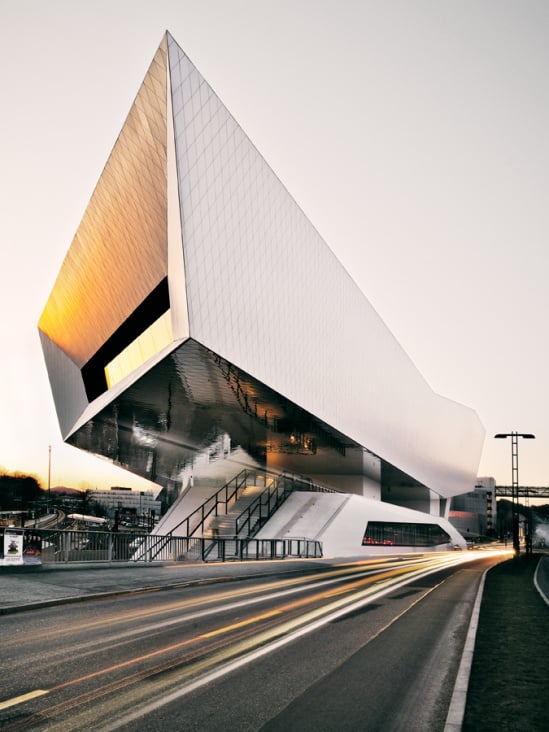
(228, 494)
(224, 496)
(245, 518)
(235, 549)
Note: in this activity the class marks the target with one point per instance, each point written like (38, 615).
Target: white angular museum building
(200, 327)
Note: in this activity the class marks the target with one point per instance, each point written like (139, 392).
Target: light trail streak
(371, 575)
(92, 646)
(165, 608)
(279, 588)
(224, 655)
(363, 588)
(264, 643)
(203, 636)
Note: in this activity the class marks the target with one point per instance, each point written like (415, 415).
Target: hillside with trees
(18, 491)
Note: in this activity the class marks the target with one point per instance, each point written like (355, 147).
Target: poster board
(19, 547)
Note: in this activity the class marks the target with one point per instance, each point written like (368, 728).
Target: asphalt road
(373, 646)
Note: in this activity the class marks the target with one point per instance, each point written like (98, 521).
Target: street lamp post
(515, 482)
(49, 478)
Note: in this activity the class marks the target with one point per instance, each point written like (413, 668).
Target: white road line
(537, 584)
(454, 720)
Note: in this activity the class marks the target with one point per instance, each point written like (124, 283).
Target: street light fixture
(48, 501)
(514, 481)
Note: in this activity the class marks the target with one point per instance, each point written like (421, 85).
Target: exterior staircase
(227, 520)
(226, 525)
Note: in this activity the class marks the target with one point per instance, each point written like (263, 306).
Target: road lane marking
(23, 698)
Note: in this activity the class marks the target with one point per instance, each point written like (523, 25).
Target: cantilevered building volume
(199, 320)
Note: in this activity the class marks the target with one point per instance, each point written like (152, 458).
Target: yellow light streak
(217, 632)
(242, 623)
(272, 634)
(366, 580)
(161, 609)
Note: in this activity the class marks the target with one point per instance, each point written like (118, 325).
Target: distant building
(140, 503)
(473, 513)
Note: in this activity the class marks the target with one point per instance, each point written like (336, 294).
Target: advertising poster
(32, 548)
(13, 547)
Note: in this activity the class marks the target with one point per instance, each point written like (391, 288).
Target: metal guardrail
(225, 550)
(48, 546)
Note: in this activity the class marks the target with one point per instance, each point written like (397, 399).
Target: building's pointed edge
(119, 253)
(176, 249)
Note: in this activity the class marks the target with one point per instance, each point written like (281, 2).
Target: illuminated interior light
(145, 346)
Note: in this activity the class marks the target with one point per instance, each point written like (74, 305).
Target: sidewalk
(24, 588)
(508, 685)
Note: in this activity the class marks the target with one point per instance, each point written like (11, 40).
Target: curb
(456, 711)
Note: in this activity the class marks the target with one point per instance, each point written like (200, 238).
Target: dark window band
(152, 307)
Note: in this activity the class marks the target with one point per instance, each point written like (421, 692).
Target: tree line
(19, 491)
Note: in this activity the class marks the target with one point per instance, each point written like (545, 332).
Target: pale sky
(414, 135)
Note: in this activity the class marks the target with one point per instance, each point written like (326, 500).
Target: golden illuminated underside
(149, 343)
(119, 253)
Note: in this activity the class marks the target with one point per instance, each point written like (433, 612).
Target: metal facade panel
(119, 253)
(267, 294)
(66, 384)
